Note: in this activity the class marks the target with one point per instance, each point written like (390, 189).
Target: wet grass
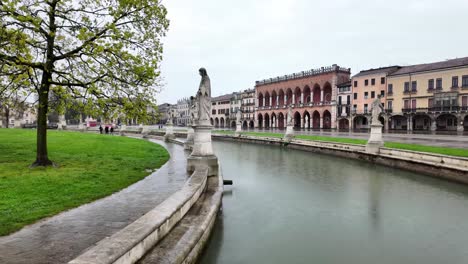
(458, 152)
(91, 166)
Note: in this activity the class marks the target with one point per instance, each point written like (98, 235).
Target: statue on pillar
(238, 117)
(204, 98)
(376, 109)
(290, 118)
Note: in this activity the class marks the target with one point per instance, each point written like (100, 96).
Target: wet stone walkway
(65, 236)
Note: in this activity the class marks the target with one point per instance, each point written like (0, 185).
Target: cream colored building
(220, 109)
(367, 85)
(431, 96)
(248, 108)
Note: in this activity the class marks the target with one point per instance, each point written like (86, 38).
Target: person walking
(100, 129)
(112, 130)
(107, 130)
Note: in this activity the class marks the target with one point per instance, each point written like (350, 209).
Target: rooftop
(387, 70)
(302, 74)
(432, 66)
(225, 97)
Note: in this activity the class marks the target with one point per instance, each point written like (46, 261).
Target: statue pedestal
(238, 130)
(122, 129)
(289, 133)
(145, 131)
(188, 145)
(375, 140)
(202, 154)
(169, 132)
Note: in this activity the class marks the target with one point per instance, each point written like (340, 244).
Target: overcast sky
(241, 41)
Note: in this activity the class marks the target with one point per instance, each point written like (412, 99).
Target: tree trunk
(7, 117)
(42, 158)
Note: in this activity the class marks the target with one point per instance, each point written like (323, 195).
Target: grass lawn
(91, 166)
(422, 148)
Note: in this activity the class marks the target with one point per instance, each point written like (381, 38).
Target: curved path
(63, 237)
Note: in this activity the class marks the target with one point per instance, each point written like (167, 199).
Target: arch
(260, 99)
(244, 124)
(211, 121)
(289, 96)
(297, 95)
(316, 98)
(327, 92)
(280, 121)
(306, 117)
(360, 122)
(260, 121)
(267, 99)
(398, 122)
(233, 124)
(274, 120)
(465, 123)
(421, 122)
(274, 96)
(281, 97)
(306, 92)
(251, 124)
(221, 122)
(343, 124)
(216, 122)
(446, 122)
(267, 120)
(326, 120)
(297, 120)
(316, 120)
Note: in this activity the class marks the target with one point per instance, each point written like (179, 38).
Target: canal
(291, 206)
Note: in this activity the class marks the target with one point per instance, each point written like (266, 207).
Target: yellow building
(431, 96)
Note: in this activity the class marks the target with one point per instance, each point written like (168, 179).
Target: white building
(182, 115)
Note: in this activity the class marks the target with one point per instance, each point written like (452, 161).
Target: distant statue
(376, 109)
(204, 98)
(290, 119)
(193, 111)
(238, 116)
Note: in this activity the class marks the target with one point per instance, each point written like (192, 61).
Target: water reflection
(289, 206)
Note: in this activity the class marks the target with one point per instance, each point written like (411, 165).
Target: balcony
(436, 109)
(360, 112)
(410, 92)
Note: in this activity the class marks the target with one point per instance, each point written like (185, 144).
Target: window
(439, 83)
(390, 105)
(406, 87)
(382, 93)
(354, 107)
(355, 96)
(355, 83)
(366, 82)
(372, 94)
(430, 84)
(382, 80)
(406, 104)
(430, 102)
(465, 81)
(372, 81)
(390, 89)
(339, 100)
(464, 100)
(414, 85)
(365, 108)
(455, 81)
(348, 99)
(366, 94)
(413, 104)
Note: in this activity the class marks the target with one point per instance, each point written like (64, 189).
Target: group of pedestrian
(107, 129)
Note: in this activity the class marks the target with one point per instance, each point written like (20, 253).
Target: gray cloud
(243, 41)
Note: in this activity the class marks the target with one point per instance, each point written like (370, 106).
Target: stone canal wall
(190, 212)
(440, 166)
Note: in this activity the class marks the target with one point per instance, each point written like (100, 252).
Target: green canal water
(290, 206)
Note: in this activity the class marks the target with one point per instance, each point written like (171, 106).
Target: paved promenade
(63, 237)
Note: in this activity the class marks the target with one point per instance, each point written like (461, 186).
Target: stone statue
(290, 119)
(238, 116)
(204, 98)
(376, 109)
(193, 110)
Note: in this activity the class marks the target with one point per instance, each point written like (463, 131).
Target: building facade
(248, 108)
(430, 97)
(367, 85)
(220, 110)
(235, 105)
(183, 116)
(311, 94)
(343, 105)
